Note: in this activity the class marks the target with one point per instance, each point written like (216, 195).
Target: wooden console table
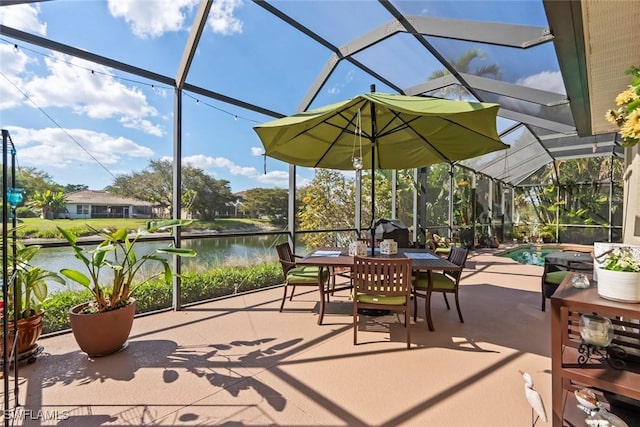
(568, 304)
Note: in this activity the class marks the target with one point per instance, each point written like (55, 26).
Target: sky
(84, 123)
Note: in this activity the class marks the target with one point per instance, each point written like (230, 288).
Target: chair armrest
(287, 265)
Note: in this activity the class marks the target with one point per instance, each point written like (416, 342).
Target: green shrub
(25, 212)
(57, 306)
(156, 294)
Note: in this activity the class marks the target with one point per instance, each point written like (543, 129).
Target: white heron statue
(534, 399)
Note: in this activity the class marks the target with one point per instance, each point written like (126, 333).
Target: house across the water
(102, 204)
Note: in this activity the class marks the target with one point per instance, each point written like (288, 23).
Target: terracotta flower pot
(100, 334)
(29, 330)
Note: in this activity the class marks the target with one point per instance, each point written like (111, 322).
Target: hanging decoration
(357, 138)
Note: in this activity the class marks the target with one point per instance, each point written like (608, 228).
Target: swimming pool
(531, 255)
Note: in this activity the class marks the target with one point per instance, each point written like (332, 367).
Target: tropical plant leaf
(77, 277)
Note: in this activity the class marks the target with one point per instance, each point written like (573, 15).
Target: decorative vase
(100, 334)
(623, 286)
(596, 330)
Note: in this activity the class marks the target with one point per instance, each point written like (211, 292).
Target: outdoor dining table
(338, 257)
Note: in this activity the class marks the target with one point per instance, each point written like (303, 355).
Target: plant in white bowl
(619, 275)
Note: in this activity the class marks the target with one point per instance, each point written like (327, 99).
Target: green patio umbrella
(383, 131)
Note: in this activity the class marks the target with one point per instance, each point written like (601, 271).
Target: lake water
(212, 252)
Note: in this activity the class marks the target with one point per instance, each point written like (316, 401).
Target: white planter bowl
(619, 285)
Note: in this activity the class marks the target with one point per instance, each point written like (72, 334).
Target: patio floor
(238, 361)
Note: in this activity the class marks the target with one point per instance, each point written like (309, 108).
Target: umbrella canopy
(398, 132)
(383, 131)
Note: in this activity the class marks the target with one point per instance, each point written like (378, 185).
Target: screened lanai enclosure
(569, 201)
(203, 79)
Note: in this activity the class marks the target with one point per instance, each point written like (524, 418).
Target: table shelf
(568, 303)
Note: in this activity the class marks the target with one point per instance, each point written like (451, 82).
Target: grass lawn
(38, 228)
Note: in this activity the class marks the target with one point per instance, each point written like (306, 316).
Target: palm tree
(463, 65)
(48, 201)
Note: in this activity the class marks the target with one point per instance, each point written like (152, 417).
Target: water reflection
(212, 252)
(530, 256)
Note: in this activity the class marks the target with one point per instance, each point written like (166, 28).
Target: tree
(327, 202)
(34, 181)
(49, 202)
(270, 202)
(202, 195)
(72, 188)
(213, 195)
(464, 65)
(188, 199)
(578, 195)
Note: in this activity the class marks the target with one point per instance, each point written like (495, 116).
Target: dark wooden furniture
(446, 282)
(567, 304)
(295, 275)
(556, 267)
(382, 284)
(421, 260)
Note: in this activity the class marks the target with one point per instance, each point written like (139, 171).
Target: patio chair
(439, 245)
(554, 273)
(382, 284)
(295, 275)
(446, 282)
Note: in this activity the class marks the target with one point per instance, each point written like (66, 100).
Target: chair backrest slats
(458, 256)
(382, 276)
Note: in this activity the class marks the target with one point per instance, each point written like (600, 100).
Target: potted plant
(28, 289)
(618, 275)
(102, 326)
(517, 236)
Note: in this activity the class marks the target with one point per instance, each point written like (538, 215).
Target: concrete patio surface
(238, 361)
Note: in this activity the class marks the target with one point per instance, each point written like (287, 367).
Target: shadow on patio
(238, 361)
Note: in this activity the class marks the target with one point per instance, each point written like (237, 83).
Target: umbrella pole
(374, 132)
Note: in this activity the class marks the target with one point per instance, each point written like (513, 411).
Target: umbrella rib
(405, 124)
(422, 137)
(384, 132)
(343, 129)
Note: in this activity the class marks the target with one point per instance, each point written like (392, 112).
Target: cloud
(144, 125)
(53, 147)
(152, 19)
(23, 17)
(206, 162)
(90, 89)
(338, 86)
(279, 178)
(13, 64)
(221, 19)
(257, 151)
(551, 81)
